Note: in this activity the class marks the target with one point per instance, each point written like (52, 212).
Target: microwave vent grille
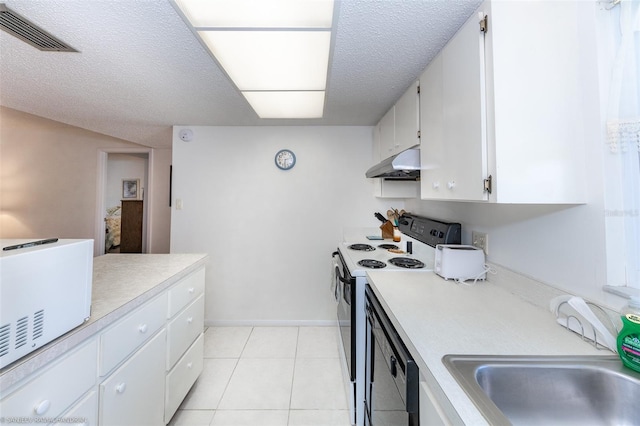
(22, 326)
(38, 324)
(5, 334)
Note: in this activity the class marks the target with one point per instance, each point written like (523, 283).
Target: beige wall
(48, 175)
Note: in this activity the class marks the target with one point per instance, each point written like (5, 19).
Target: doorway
(124, 177)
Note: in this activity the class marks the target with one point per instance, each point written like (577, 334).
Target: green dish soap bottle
(629, 336)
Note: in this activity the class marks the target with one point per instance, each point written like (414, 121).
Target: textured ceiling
(141, 70)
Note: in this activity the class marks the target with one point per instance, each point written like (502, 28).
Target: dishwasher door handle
(393, 364)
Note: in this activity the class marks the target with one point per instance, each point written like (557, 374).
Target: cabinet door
(55, 389)
(407, 120)
(182, 377)
(454, 121)
(430, 412)
(432, 159)
(134, 393)
(538, 83)
(83, 413)
(387, 134)
(377, 156)
(183, 330)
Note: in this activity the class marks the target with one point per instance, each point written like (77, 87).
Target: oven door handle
(342, 279)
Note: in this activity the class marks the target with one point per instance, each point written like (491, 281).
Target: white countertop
(436, 317)
(121, 282)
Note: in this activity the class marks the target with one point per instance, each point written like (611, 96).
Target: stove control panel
(430, 231)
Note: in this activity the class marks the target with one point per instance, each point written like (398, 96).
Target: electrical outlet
(480, 240)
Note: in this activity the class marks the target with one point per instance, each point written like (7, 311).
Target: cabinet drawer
(84, 413)
(53, 391)
(134, 393)
(130, 332)
(183, 376)
(186, 291)
(184, 329)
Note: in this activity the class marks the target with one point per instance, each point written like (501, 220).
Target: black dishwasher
(392, 378)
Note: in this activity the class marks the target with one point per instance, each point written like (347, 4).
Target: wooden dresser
(131, 226)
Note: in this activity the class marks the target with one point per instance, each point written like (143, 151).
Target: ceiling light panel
(287, 104)
(258, 13)
(272, 60)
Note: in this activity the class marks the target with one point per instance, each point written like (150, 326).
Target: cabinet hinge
(418, 89)
(484, 24)
(487, 184)
(419, 134)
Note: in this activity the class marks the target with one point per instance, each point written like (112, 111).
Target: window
(619, 54)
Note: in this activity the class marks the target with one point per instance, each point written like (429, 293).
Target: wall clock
(285, 159)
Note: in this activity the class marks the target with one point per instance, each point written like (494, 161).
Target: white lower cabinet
(185, 342)
(182, 377)
(431, 413)
(50, 392)
(83, 413)
(184, 329)
(130, 332)
(134, 393)
(120, 375)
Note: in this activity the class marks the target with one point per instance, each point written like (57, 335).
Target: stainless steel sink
(519, 390)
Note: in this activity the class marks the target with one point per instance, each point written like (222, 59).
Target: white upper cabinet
(407, 122)
(399, 129)
(387, 132)
(501, 113)
(452, 96)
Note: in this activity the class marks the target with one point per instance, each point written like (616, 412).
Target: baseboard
(270, 323)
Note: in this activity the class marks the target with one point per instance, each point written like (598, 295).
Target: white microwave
(45, 291)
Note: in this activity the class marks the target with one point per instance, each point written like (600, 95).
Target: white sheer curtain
(623, 140)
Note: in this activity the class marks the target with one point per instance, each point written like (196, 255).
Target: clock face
(285, 159)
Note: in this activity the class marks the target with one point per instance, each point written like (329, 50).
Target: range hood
(402, 166)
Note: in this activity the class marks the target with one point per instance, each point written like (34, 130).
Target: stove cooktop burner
(387, 246)
(405, 262)
(371, 263)
(361, 247)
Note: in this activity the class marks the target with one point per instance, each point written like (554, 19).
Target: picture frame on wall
(131, 189)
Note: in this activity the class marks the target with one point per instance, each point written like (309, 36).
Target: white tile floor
(268, 376)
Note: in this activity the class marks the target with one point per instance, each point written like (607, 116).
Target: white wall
(270, 233)
(124, 166)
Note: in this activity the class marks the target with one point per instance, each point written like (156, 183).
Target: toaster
(460, 262)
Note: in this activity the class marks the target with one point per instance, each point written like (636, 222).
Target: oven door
(345, 294)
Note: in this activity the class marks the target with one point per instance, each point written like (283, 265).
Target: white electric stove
(354, 258)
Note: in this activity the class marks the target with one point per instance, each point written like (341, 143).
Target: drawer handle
(451, 184)
(191, 289)
(143, 328)
(121, 387)
(42, 407)
(190, 365)
(190, 320)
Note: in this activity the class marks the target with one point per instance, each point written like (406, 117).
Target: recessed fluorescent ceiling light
(295, 104)
(258, 13)
(272, 60)
(270, 48)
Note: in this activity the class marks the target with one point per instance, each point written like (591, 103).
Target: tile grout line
(293, 374)
(216, 409)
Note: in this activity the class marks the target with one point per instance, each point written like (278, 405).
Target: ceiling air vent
(30, 33)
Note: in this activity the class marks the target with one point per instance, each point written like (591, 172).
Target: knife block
(387, 230)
